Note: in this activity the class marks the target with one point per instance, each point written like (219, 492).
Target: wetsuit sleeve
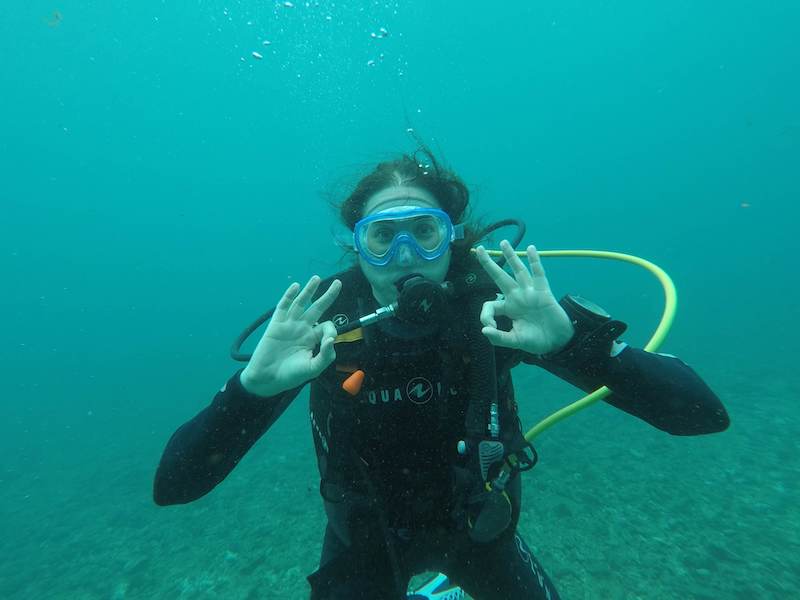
(657, 388)
(202, 452)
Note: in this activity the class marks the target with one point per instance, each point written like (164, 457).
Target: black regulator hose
(515, 241)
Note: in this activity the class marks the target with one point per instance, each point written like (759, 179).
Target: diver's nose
(405, 256)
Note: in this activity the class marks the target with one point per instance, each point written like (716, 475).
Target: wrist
(563, 342)
(254, 388)
(244, 381)
(594, 332)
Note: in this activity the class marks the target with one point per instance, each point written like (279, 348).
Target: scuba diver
(412, 409)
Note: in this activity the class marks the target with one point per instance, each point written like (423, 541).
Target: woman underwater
(413, 414)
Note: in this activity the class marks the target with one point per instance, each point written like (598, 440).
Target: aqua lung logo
(425, 304)
(418, 390)
(340, 320)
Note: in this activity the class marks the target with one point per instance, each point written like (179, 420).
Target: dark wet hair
(423, 171)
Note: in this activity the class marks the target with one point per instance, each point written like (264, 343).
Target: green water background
(159, 187)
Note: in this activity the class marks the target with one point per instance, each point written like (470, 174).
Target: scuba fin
(438, 588)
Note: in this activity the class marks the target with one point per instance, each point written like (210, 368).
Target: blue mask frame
(402, 236)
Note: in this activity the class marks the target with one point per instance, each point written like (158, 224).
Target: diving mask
(427, 231)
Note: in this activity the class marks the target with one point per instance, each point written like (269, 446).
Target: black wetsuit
(388, 459)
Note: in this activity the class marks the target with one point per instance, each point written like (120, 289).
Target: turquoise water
(161, 186)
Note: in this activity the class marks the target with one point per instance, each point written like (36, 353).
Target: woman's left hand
(539, 324)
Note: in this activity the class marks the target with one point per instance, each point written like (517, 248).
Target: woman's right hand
(284, 357)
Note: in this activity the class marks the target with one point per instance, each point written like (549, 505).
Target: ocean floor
(615, 509)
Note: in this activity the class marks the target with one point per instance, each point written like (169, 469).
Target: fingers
(521, 273)
(326, 333)
(328, 330)
(490, 310)
(302, 307)
(505, 339)
(506, 283)
(522, 276)
(286, 302)
(487, 315)
(503, 280)
(540, 283)
(303, 299)
(324, 302)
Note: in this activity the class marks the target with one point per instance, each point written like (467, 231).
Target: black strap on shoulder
(472, 286)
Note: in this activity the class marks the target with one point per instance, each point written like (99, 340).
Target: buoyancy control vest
(394, 445)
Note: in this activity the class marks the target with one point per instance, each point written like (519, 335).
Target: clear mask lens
(428, 231)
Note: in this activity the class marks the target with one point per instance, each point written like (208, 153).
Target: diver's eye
(425, 229)
(381, 234)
